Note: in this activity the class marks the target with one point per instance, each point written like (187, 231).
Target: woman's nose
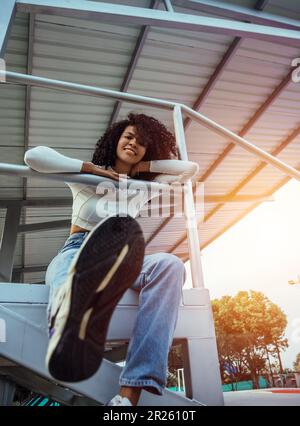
(133, 142)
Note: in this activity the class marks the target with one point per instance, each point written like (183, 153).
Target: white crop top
(91, 203)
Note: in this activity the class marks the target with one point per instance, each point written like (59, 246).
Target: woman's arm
(47, 160)
(174, 167)
(169, 170)
(173, 170)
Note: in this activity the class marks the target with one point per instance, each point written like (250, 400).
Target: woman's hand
(89, 167)
(142, 166)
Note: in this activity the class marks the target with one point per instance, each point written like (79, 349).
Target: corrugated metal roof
(174, 65)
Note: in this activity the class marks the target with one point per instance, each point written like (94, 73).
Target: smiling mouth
(131, 150)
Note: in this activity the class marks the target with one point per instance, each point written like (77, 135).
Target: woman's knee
(173, 263)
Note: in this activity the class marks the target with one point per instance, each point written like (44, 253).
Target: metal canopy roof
(240, 82)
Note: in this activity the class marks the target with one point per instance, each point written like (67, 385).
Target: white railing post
(203, 355)
(189, 207)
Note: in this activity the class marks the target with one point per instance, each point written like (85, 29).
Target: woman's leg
(160, 284)
(107, 263)
(57, 270)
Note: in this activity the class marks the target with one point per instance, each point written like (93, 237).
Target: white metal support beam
(189, 208)
(159, 18)
(43, 226)
(7, 16)
(233, 11)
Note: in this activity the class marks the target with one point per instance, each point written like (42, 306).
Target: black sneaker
(105, 266)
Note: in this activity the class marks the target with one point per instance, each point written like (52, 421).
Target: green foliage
(297, 364)
(249, 328)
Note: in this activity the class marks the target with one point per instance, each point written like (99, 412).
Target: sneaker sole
(105, 266)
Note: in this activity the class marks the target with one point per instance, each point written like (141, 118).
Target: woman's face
(129, 150)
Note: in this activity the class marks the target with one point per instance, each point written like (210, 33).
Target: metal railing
(13, 77)
(178, 109)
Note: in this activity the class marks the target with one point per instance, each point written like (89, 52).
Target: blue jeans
(160, 285)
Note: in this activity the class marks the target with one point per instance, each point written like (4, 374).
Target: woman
(101, 259)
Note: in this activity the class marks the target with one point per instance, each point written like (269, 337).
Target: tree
(297, 364)
(249, 328)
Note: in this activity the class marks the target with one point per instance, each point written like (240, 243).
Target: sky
(262, 253)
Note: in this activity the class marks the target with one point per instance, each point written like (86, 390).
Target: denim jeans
(159, 285)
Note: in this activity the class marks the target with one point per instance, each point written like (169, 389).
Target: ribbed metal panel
(34, 277)
(12, 108)
(82, 52)
(87, 52)
(290, 8)
(40, 254)
(175, 65)
(246, 83)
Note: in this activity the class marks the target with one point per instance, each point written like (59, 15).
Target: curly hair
(159, 141)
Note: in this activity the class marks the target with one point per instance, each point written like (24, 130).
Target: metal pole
(238, 140)
(93, 180)
(66, 86)
(189, 207)
(205, 121)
